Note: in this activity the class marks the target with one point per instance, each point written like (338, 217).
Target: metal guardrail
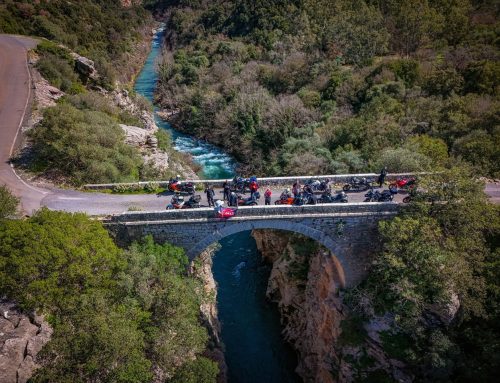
(265, 181)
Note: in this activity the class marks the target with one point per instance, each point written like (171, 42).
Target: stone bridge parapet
(348, 230)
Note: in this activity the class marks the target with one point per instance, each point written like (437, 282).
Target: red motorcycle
(405, 183)
(180, 187)
(225, 212)
(285, 201)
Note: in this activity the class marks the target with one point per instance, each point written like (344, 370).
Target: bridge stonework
(347, 230)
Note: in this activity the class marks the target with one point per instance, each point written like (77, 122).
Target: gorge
(251, 330)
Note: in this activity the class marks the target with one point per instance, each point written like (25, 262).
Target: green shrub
(85, 147)
(8, 202)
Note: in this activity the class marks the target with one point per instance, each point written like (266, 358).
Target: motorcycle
(223, 212)
(178, 202)
(180, 187)
(376, 196)
(357, 184)
(327, 197)
(405, 183)
(317, 185)
(305, 199)
(285, 200)
(250, 201)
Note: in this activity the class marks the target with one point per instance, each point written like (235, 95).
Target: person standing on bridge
(226, 190)
(210, 195)
(254, 186)
(233, 199)
(296, 189)
(381, 177)
(267, 196)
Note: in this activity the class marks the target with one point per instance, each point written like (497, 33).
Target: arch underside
(317, 235)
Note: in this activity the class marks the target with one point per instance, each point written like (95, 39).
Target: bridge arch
(324, 239)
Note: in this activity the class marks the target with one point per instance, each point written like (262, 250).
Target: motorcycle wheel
(253, 204)
(277, 202)
(364, 187)
(368, 200)
(169, 207)
(346, 187)
(407, 199)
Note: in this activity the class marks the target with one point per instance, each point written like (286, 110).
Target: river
(251, 330)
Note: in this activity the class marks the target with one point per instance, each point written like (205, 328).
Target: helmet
(178, 176)
(287, 190)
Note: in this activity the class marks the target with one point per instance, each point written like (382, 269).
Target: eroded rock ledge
(21, 339)
(305, 283)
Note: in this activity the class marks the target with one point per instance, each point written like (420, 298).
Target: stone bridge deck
(349, 230)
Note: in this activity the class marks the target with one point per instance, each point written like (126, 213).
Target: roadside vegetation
(103, 31)
(437, 277)
(118, 315)
(315, 86)
(79, 139)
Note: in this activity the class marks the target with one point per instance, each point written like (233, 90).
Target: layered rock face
(305, 286)
(21, 339)
(305, 282)
(202, 269)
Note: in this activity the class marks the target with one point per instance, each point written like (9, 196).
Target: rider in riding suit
(267, 196)
(381, 177)
(227, 190)
(210, 195)
(253, 189)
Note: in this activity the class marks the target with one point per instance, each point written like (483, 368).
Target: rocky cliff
(21, 339)
(202, 269)
(332, 344)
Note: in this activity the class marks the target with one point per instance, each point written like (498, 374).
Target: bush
(403, 160)
(85, 147)
(200, 370)
(8, 202)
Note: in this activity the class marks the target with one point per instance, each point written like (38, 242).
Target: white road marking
(19, 129)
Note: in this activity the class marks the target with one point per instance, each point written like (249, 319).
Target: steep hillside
(317, 86)
(106, 31)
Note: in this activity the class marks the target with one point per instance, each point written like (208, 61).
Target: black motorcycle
(240, 185)
(357, 185)
(250, 201)
(376, 196)
(305, 199)
(317, 185)
(327, 197)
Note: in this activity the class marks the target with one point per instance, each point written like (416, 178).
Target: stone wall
(347, 230)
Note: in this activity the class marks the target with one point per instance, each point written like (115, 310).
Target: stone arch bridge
(347, 230)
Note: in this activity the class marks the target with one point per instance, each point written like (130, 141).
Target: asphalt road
(15, 102)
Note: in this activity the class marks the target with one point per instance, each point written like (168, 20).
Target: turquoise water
(214, 162)
(251, 331)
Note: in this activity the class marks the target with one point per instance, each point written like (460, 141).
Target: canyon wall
(332, 345)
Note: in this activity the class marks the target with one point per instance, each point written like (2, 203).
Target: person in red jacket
(253, 188)
(267, 196)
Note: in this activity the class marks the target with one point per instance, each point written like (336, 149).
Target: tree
(200, 370)
(8, 202)
(48, 259)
